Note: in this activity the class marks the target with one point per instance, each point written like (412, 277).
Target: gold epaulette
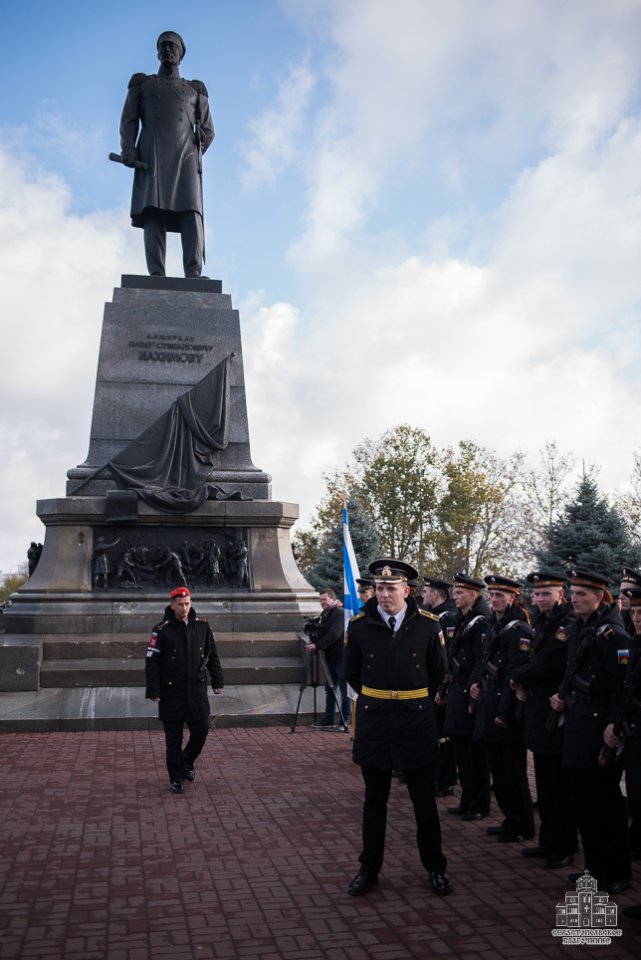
(428, 613)
(357, 616)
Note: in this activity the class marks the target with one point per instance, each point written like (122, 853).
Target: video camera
(312, 628)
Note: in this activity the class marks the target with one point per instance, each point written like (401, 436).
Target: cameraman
(328, 639)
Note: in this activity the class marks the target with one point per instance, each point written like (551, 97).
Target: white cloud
(454, 93)
(525, 333)
(56, 271)
(273, 144)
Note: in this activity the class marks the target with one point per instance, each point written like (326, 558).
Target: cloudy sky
(426, 212)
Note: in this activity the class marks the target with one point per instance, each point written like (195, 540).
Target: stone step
(125, 708)
(128, 672)
(133, 646)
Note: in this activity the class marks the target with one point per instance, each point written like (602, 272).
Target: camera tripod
(315, 663)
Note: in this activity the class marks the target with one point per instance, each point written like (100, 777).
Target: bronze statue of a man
(165, 128)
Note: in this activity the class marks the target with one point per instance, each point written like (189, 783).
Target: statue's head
(168, 37)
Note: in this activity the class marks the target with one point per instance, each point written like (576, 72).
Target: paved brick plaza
(100, 862)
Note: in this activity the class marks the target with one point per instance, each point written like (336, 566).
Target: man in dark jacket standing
(497, 721)
(465, 652)
(598, 652)
(181, 651)
(165, 128)
(329, 641)
(395, 659)
(535, 682)
(436, 599)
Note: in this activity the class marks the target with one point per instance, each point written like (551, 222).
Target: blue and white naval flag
(350, 573)
(351, 602)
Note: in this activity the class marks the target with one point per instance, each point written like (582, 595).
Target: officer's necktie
(391, 623)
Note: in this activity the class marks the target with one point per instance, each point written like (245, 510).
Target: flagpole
(351, 601)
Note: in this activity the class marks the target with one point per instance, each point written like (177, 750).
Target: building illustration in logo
(586, 916)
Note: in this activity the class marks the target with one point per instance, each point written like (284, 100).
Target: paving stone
(101, 862)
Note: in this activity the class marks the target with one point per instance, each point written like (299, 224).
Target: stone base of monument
(125, 708)
(167, 495)
(77, 623)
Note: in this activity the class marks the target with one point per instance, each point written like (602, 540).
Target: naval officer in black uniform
(394, 659)
(464, 654)
(535, 681)
(598, 651)
(497, 722)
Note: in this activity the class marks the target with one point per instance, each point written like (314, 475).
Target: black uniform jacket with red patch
(178, 658)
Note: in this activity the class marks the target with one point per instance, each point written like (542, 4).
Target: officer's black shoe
(362, 883)
(633, 912)
(495, 831)
(472, 816)
(555, 861)
(444, 792)
(536, 852)
(177, 786)
(456, 811)
(508, 837)
(440, 883)
(190, 774)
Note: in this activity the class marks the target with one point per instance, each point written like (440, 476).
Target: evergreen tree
(590, 534)
(327, 568)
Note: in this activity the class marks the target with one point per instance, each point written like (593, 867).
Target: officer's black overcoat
(178, 657)
(395, 734)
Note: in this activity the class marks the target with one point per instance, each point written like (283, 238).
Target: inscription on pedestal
(170, 348)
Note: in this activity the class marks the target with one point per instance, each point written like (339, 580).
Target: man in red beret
(180, 652)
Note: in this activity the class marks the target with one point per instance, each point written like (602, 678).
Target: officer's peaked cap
(392, 571)
(587, 578)
(469, 583)
(546, 578)
(506, 584)
(628, 575)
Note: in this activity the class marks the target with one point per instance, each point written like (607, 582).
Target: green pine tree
(591, 534)
(327, 570)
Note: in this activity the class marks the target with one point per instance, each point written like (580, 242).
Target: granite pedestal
(110, 557)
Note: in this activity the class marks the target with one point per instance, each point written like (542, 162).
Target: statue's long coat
(158, 119)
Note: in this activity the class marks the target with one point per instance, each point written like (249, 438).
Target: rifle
(621, 725)
(554, 716)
